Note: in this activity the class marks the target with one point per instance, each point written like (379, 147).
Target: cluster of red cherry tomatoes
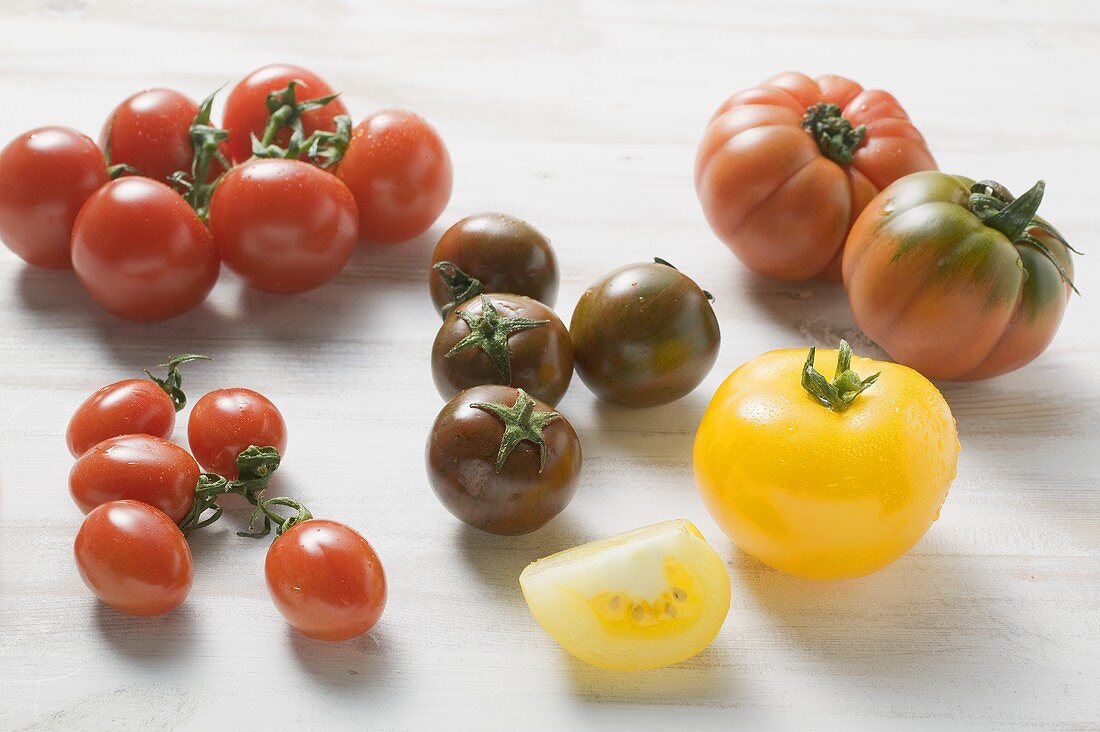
(143, 494)
(280, 193)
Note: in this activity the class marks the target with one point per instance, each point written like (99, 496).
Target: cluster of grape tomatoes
(281, 192)
(142, 496)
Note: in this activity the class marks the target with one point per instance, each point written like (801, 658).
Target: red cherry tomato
(399, 171)
(46, 175)
(326, 580)
(226, 422)
(246, 110)
(141, 252)
(134, 558)
(150, 131)
(130, 407)
(283, 225)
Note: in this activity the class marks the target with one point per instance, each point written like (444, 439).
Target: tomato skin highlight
(326, 580)
(285, 226)
(46, 175)
(134, 558)
(225, 422)
(150, 131)
(141, 252)
(136, 467)
(246, 110)
(399, 171)
(128, 407)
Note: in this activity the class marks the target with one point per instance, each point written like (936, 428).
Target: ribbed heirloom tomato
(225, 422)
(150, 132)
(784, 169)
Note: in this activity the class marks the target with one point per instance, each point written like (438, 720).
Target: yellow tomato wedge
(645, 599)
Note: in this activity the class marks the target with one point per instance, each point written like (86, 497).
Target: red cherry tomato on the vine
(134, 558)
(138, 467)
(226, 422)
(141, 252)
(46, 175)
(283, 225)
(129, 407)
(326, 580)
(246, 109)
(150, 131)
(399, 171)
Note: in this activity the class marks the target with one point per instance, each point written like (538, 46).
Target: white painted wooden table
(581, 117)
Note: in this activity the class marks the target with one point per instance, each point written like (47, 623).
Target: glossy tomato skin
(644, 335)
(246, 110)
(128, 407)
(46, 175)
(136, 467)
(399, 171)
(541, 358)
(134, 558)
(141, 252)
(946, 294)
(150, 131)
(283, 225)
(505, 253)
(226, 422)
(770, 192)
(461, 459)
(326, 580)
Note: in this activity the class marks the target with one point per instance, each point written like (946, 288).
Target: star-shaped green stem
(460, 286)
(490, 332)
(521, 422)
(846, 385)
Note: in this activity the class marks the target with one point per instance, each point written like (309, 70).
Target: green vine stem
(521, 422)
(846, 385)
(460, 286)
(172, 383)
(834, 134)
(195, 185)
(490, 333)
(255, 466)
(1015, 218)
(323, 148)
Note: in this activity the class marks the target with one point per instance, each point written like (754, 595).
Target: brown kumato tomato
(501, 461)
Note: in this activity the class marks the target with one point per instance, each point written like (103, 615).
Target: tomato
(826, 480)
(134, 558)
(501, 461)
(141, 252)
(46, 175)
(326, 580)
(503, 339)
(150, 132)
(246, 111)
(784, 169)
(957, 279)
(645, 599)
(644, 335)
(225, 422)
(399, 171)
(492, 252)
(283, 225)
(138, 467)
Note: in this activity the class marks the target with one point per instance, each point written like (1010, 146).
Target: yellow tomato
(828, 480)
(644, 599)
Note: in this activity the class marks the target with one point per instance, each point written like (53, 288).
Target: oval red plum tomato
(246, 111)
(134, 558)
(326, 580)
(128, 407)
(399, 171)
(141, 252)
(137, 467)
(151, 132)
(283, 225)
(226, 422)
(46, 175)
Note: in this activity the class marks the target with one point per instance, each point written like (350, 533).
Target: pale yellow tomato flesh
(645, 599)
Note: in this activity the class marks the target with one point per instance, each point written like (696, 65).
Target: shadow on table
(146, 639)
(347, 664)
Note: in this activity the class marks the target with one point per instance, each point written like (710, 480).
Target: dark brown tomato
(515, 341)
(503, 253)
(644, 335)
(508, 491)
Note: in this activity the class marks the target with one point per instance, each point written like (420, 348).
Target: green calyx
(1015, 218)
(521, 422)
(490, 333)
(323, 148)
(206, 140)
(846, 385)
(460, 286)
(834, 134)
(172, 383)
